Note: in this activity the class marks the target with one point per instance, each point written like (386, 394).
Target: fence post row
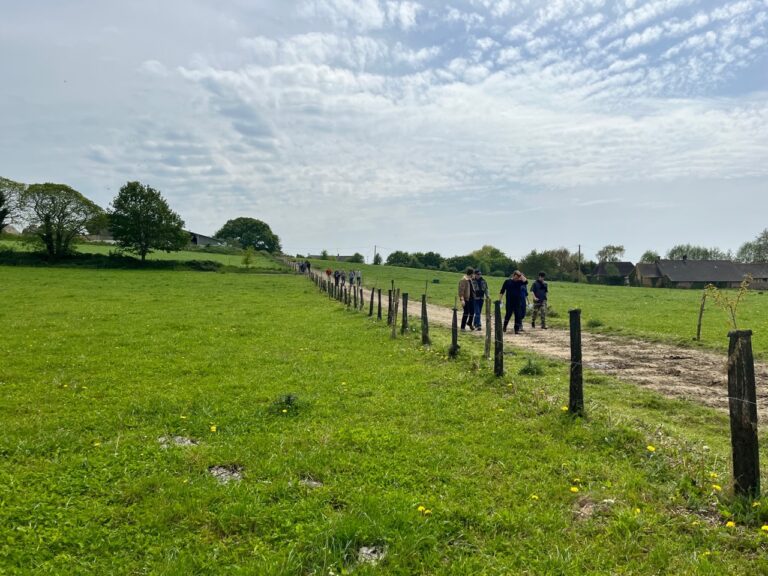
(378, 313)
(576, 396)
(454, 349)
(487, 351)
(742, 405)
(396, 301)
(390, 307)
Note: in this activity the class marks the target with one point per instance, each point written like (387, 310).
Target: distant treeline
(559, 264)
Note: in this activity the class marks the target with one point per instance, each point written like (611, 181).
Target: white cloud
(154, 68)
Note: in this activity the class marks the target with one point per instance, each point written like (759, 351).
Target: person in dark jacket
(513, 288)
(466, 297)
(481, 289)
(540, 292)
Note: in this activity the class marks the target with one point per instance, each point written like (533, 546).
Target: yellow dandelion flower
(717, 487)
(500, 410)
(285, 410)
(564, 408)
(343, 383)
(213, 428)
(706, 553)
(574, 489)
(730, 524)
(534, 497)
(695, 523)
(97, 443)
(637, 510)
(577, 480)
(421, 509)
(764, 528)
(427, 512)
(756, 504)
(713, 475)
(650, 448)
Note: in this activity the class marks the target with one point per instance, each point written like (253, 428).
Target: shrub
(531, 368)
(594, 323)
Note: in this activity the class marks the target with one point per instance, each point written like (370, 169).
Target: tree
(10, 196)
(650, 256)
(377, 259)
(324, 254)
(431, 260)
(57, 214)
(141, 221)
(250, 232)
(356, 258)
(693, 252)
(610, 253)
(536, 262)
(398, 258)
(756, 250)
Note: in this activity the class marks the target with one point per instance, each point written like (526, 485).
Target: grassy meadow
(344, 438)
(665, 314)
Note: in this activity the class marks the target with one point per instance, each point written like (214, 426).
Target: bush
(594, 323)
(203, 265)
(531, 368)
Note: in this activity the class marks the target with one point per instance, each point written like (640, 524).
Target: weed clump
(531, 368)
(286, 405)
(594, 323)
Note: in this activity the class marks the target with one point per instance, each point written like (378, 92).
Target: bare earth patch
(310, 483)
(676, 372)
(167, 441)
(371, 554)
(227, 474)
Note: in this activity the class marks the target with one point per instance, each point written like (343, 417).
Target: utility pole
(578, 271)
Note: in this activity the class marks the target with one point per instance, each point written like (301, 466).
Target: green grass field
(669, 315)
(448, 469)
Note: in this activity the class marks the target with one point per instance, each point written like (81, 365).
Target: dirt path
(674, 371)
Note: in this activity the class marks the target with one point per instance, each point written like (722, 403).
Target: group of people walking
(340, 277)
(473, 289)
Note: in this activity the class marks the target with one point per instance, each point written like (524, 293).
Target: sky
(349, 125)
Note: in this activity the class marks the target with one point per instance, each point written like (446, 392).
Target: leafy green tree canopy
(356, 258)
(58, 214)
(693, 252)
(610, 253)
(756, 250)
(10, 196)
(398, 258)
(377, 259)
(250, 232)
(141, 221)
(650, 256)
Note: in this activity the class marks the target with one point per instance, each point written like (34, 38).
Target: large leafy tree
(58, 214)
(250, 232)
(610, 253)
(650, 256)
(141, 221)
(10, 196)
(693, 252)
(756, 250)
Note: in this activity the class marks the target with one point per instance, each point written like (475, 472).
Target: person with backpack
(481, 289)
(540, 292)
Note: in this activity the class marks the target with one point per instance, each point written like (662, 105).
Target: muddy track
(673, 371)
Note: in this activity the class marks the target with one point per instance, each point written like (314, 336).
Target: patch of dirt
(676, 372)
(310, 483)
(371, 555)
(227, 474)
(168, 441)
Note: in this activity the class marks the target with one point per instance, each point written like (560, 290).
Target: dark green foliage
(285, 405)
(650, 256)
(4, 209)
(756, 250)
(693, 252)
(594, 323)
(141, 221)
(377, 259)
(610, 253)
(398, 258)
(250, 232)
(531, 368)
(58, 215)
(10, 193)
(356, 258)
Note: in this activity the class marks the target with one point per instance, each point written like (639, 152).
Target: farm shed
(202, 241)
(613, 272)
(692, 273)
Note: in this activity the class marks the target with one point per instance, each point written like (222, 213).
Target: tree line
(139, 220)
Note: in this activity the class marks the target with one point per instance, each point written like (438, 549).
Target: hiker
(481, 289)
(523, 304)
(343, 276)
(512, 288)
(336, 277)
(359, 278)
(467, 300)
(308, 266)
(540, 292)
(351, 278)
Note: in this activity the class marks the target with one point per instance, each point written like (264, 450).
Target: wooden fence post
(396, 304)
(404, 327)
(425, 340)
(498, 353)
(390, 308)
(701, 314)
(742, 405)
(576, 396)
(454, 349)
(355, 290)
(370, 311)
(378, 314)
(487, 328)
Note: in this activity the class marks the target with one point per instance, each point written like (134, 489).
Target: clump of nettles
(532, 368)
(286, 405)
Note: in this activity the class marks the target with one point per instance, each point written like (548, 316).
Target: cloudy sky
(413, 125)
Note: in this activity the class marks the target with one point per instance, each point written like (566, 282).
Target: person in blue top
(523, 304)
(513, 288)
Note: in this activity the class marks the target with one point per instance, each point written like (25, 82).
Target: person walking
(512, 287)
(351, 278)
(336, 276)
(540, 292)
(481, 289)
(523, 305)
(467, 300)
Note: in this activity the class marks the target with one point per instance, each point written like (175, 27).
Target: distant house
(202, 241)
(8, 229)
(613, 272)
(698, 273)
